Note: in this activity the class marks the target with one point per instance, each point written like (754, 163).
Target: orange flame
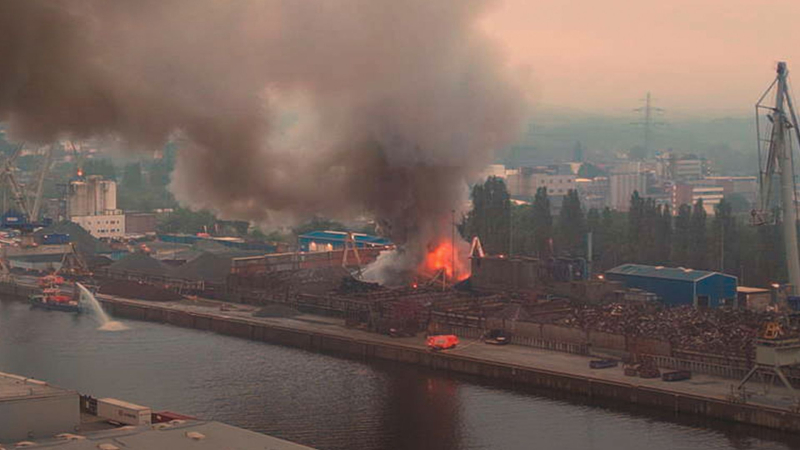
(448, 257)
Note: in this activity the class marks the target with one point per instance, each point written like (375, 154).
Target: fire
(445, 256)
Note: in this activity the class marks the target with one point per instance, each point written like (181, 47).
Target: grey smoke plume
(287, 108)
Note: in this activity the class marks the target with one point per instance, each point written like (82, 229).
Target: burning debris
(447, 258)
(443, 263)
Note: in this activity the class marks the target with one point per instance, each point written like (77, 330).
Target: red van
(442, 341)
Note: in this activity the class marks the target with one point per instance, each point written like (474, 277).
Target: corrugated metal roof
(668, 273)
(342, 235)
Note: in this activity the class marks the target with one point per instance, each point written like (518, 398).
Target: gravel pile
(141, 264)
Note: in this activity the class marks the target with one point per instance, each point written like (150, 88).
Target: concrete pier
(703, 395)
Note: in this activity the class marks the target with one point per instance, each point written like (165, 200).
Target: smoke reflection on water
(323, 401)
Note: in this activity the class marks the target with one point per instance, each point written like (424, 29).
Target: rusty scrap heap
(717, 331)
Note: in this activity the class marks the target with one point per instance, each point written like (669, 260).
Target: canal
(329, 402)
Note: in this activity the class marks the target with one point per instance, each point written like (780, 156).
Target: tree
(767, 262)
(318, 223)
(186, 221)
(609, 240)
(725, 238)
(635, 230)
(663, 235)
(490, 217)
(699, 244)
(101, 166)
(682, 242)
(571, 225)
(738, 203)
(522, 237)
(542, 224)
(132, 177)
(593, 225)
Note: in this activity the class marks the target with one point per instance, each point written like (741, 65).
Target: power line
(648, 121)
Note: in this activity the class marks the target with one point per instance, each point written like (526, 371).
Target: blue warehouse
(676, 286)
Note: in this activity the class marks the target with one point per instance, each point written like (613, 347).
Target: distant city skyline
(713, 56)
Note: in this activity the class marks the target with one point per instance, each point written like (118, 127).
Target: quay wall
(15, 290)
(678, 403)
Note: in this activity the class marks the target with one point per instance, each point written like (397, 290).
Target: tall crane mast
(776, 166)
(11, 181)
(43, 171)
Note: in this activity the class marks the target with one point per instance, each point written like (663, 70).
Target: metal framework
(772, 357)
(21, 201)
(776, 169)
(648, 121)
(43, 171)
(351, 246)
(11, 181)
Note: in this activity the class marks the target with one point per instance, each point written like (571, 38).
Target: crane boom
(780, 163)
(16, 189)
(37, 201)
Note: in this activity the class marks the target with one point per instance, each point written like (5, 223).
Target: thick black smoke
(287, 108)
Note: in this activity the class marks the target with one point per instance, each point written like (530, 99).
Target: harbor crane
(776, 168)
(30, 215)
(776, 352)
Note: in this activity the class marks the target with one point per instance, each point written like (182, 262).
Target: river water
(329, 402)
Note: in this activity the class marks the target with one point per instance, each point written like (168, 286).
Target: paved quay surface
(14, 387)
(522, 356)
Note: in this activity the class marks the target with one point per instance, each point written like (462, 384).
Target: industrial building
(31, 409)
(690, 194)
(681, 167)
(140, 223)
(92, 204)
(525, 181)
(35, 414)
(624, 180)
(594, 192)
(677, 286)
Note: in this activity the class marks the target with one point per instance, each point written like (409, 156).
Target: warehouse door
(702, 301)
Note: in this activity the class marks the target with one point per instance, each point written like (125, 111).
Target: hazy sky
(693, 55)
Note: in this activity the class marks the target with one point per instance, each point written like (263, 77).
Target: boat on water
(52, 298)
(55, 301)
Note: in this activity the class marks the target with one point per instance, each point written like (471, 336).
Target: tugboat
(52, 298)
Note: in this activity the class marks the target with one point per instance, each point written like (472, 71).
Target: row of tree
(649, 233)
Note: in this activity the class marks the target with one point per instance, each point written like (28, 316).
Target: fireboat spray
(106, 324)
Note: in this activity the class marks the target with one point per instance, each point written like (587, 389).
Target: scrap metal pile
(315, 280)
(716, 331)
